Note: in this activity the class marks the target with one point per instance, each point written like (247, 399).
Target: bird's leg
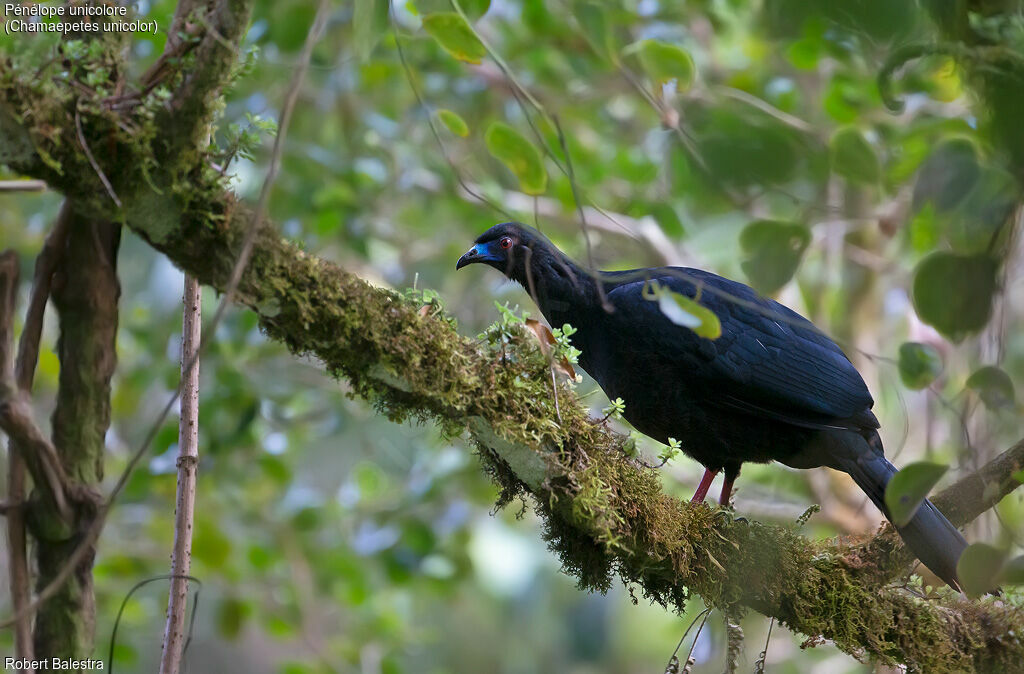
(723, 499)
(732, 471)
(705, 484)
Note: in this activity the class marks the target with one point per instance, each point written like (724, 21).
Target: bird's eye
(506, 242)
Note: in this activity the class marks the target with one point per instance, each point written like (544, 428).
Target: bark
(188, 466)
(85, 293)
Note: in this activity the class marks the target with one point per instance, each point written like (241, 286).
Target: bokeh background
(328, 539)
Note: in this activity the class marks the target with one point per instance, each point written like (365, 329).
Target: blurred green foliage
(748, 137)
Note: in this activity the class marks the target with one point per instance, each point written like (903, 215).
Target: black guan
(770, 388)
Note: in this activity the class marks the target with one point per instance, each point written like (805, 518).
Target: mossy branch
(605, 514)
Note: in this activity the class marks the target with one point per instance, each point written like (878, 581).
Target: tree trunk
(85, 293)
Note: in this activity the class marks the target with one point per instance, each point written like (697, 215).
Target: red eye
(506, 242)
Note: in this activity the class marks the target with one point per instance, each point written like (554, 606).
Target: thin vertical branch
(20, 582)
(188, 465)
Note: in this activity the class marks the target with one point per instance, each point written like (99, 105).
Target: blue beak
(478, 253)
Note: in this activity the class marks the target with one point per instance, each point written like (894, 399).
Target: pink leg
(705, 484)
(723, 499)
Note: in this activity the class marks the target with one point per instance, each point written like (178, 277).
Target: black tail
(931, 537)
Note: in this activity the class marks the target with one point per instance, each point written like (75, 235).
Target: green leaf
(924, 229)
(947, 175)
(994, 387)
(909, 488)
(209, 544)
(307, 519)
(953, 292)
(743, 147)
(980, 215)
(980, 568)
(773, 251)
(369, 21)
(370, 479)
(1013, 571)
(688, 313)
(473, 9)
(455, 35)
(231, 616)
(666, 62)
(418, 537)
(1018, 476)
(668, 219)
(593, 20)
(290, 24)
(805, 53)
(519, 155)
(919, 364)
(454, 122)
(853, 158)
(275, 469)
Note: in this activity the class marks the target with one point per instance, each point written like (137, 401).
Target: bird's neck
(564, 291)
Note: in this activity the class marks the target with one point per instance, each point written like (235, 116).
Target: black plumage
(770, 388)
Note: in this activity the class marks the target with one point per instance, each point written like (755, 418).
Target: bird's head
(526, 256)
(507, 247)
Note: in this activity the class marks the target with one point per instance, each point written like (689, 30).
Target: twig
(605, 304)
(759, 665)
(179, 25)
(15, 412)
(687, 668)
(554, 389)
(124, 602)
(39, 453)
(188, 465)
(693, 622)
(765, 107)
(644, 230)
(46, 262)
(92, 161)
(23, 185)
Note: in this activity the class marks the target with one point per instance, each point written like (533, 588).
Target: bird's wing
(769, 361)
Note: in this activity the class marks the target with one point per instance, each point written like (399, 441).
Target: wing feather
(769, 362)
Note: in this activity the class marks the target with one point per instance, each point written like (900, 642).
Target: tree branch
(605, 514)
(188, 466)
(85, 294)
(191, 110)
(22, 186)
(19, 576)
(16, 414)
(976, 493)
(883, 557)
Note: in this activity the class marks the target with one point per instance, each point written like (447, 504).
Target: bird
(771, 387)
